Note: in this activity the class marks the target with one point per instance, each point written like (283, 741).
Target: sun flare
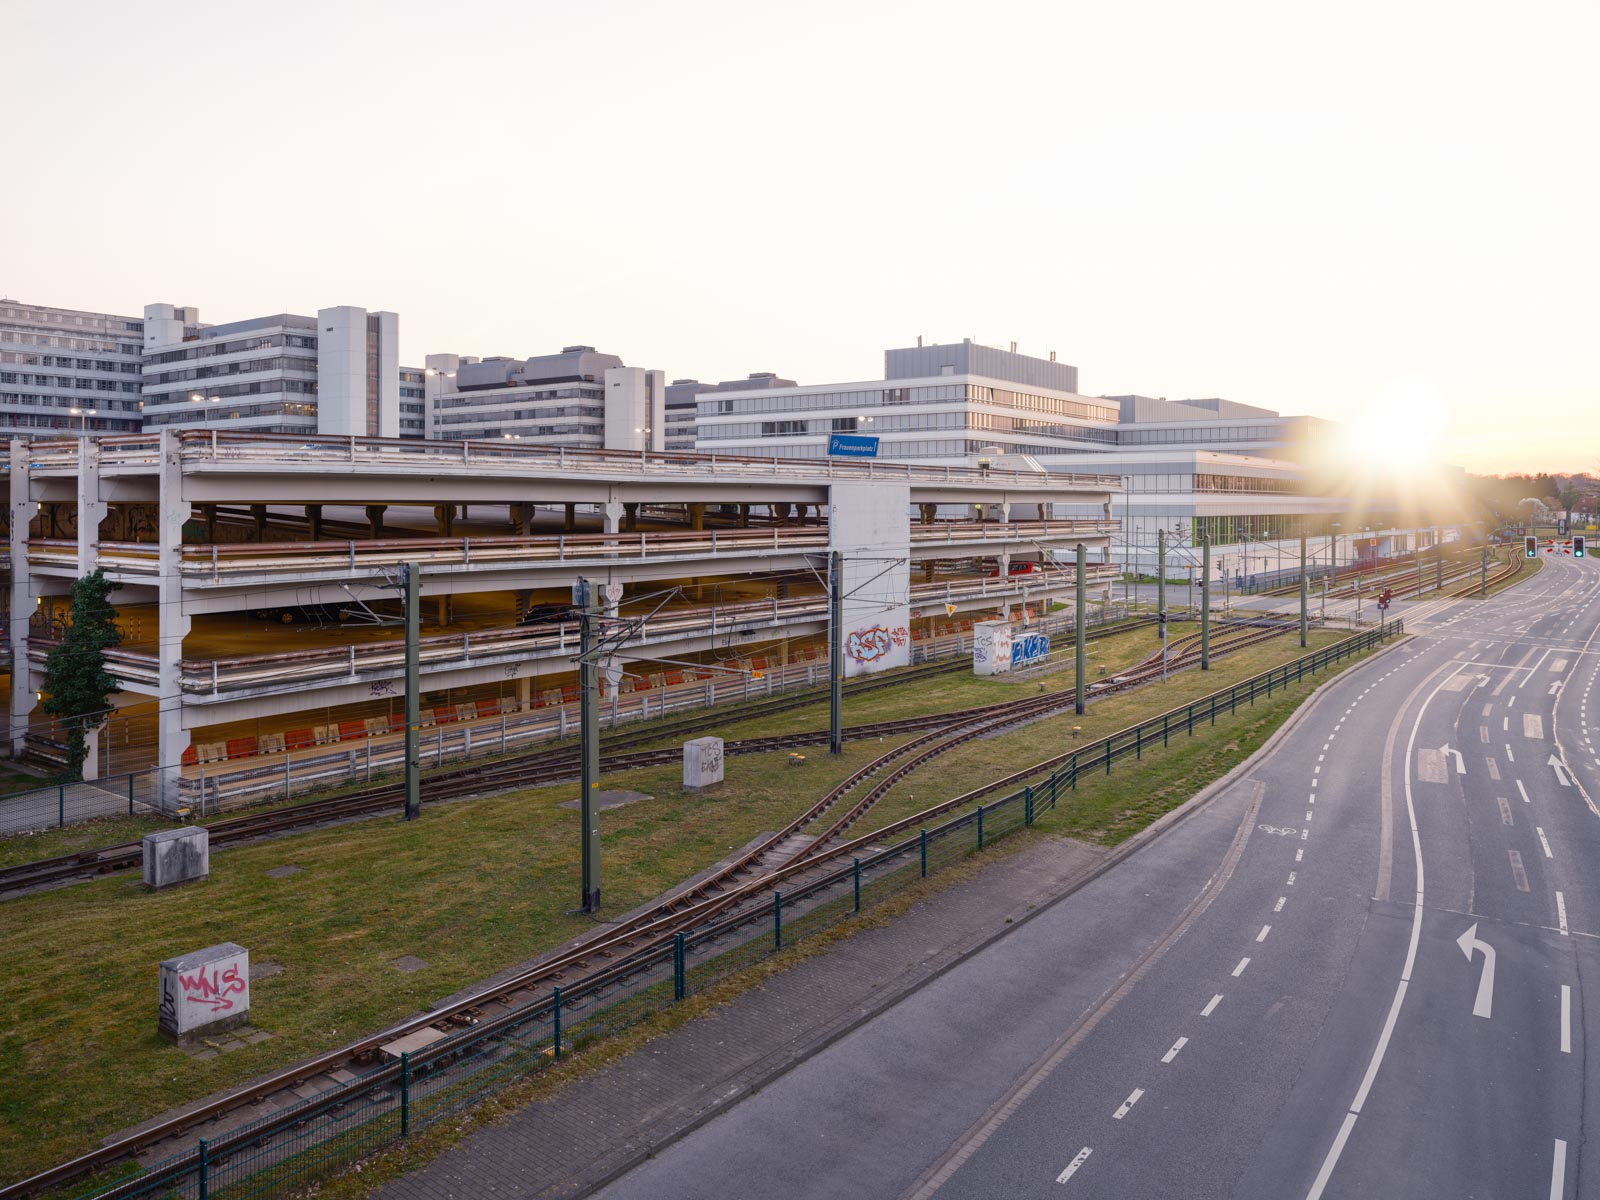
(1403, 425)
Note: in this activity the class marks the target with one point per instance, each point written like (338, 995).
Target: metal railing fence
(296, 1145)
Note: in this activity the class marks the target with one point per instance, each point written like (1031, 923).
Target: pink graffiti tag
(867, 645)
(900, 635)
(215, 990)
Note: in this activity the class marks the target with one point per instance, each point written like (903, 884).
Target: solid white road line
(1122, 1110)
(1176, 1046)
(1566, 1018)
(1524, 792)
(1543, 841)
(1245, 962)
(1558, 1171)
(1211, 1005)
(1334, 1151)
(1083, 1156)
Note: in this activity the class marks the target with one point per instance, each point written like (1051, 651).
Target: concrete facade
(68, 371)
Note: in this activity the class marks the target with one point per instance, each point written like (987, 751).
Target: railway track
(529, 770)
(627, 948)
(1512, 567)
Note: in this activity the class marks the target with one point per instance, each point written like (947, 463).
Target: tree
(1569, 497)
(77, 686)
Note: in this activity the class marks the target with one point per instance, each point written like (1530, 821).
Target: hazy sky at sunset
(1288, 205)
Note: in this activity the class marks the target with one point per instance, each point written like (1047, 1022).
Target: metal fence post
(1213, 708)
(924, 835)
(1108, 756)
(1027, 805)
(405, 1094)
(555, 1018)
(61, 806)
(1164, 718)
(679, 983)
(857, 868)
(203, 1170)
(980, 827)
(130, 794)
(1138, 741)
(777, 920)
(1191, 720)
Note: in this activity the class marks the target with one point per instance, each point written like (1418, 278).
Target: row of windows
(526, 414)
(1245, 483)
(287, 362)
(25, 359)
(528, 432)
(67, 422)
(255, 387)
(63, 381)
(261, 341)
(908, 422)
(35, 400)
(944, 393)
(1199, 434)
(892, 451)
(1262, 527)
(68, 343)
(213, 413)
(44, 316)
(493, 400)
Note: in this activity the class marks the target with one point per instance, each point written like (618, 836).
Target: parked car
(545, 614)
(303, 614)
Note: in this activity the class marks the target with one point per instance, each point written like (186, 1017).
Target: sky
(1318, 209)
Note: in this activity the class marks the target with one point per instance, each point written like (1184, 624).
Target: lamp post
(197, 398)
(83, 415)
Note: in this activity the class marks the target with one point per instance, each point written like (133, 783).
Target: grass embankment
(470, 888)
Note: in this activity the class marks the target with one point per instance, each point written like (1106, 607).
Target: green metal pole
(1438, 562)
(1205, 605)
(589, 723)
(777, 920)
(413, 601)
(980, 827)
(555, 1018)
(856, 863)
(836, 653)
(679, 982)
(405, 1094)
(1078, 631)
(1305, 586)
(203, 1171)
(1161, 573)
(1483, 588)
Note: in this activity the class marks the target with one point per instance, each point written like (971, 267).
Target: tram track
(628, 947)
(522, 771)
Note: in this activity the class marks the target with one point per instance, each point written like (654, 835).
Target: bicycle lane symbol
(1273, 829)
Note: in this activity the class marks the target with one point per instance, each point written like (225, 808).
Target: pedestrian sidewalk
(599, 1126)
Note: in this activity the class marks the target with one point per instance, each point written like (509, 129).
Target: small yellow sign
(949, 610)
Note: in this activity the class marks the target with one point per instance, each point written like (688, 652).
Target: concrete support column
(630, 522)
(442, 607)
(209, 513)
(1005, 510)
(172, 739)
(611, 515)
(525, 519)
(781, 512)
(258, 513)
(1004, 561)
(697, 516)
(524, 691)
(375, 519)
(929, 513)
(314, 521)
(744, 516)
(444, 517)
(22, 510)
(571, 525)
(91, 508)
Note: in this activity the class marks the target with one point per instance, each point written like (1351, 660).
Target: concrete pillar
(314, 521)
(209, 513)
(611, 515)
(1005, 510)
(22, 511)
(1004, 561)
(781, 512)
(612, 594)
(697, 516)
(929, 513)
(524, 691)
(630, 523)
(525, 519)
(375, 519)
(442, 606)
(444, 516)
(172, 739)
(257, 511)
(91, 508)
(744, 516)
(571, 525)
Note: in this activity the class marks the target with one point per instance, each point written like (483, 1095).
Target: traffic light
(1530, 546)
(1577, 545)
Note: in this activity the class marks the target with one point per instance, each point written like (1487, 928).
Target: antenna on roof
(1013, 347)
(1052, 356)
(919, 341)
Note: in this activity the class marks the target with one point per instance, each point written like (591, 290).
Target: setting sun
(1403, 425)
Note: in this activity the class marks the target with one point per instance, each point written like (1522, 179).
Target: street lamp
(83, 415)
(197, 398)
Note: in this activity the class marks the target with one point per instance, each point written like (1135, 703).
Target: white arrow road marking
(1461, 766)
(1470, 941)
(1083, 1156)
(1561, 772)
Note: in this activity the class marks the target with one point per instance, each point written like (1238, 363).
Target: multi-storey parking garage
(259, 615)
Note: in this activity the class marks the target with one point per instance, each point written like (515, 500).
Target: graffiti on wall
(871, 645)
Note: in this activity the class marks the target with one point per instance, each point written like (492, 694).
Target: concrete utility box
(205, 992)
(176, 856)
(702, 763)
(991, 647)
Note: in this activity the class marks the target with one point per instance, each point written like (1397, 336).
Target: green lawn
(471, 888)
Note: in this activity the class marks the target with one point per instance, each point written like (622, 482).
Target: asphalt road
(1360, 971)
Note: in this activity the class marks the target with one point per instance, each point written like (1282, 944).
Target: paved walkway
(601, 1125)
